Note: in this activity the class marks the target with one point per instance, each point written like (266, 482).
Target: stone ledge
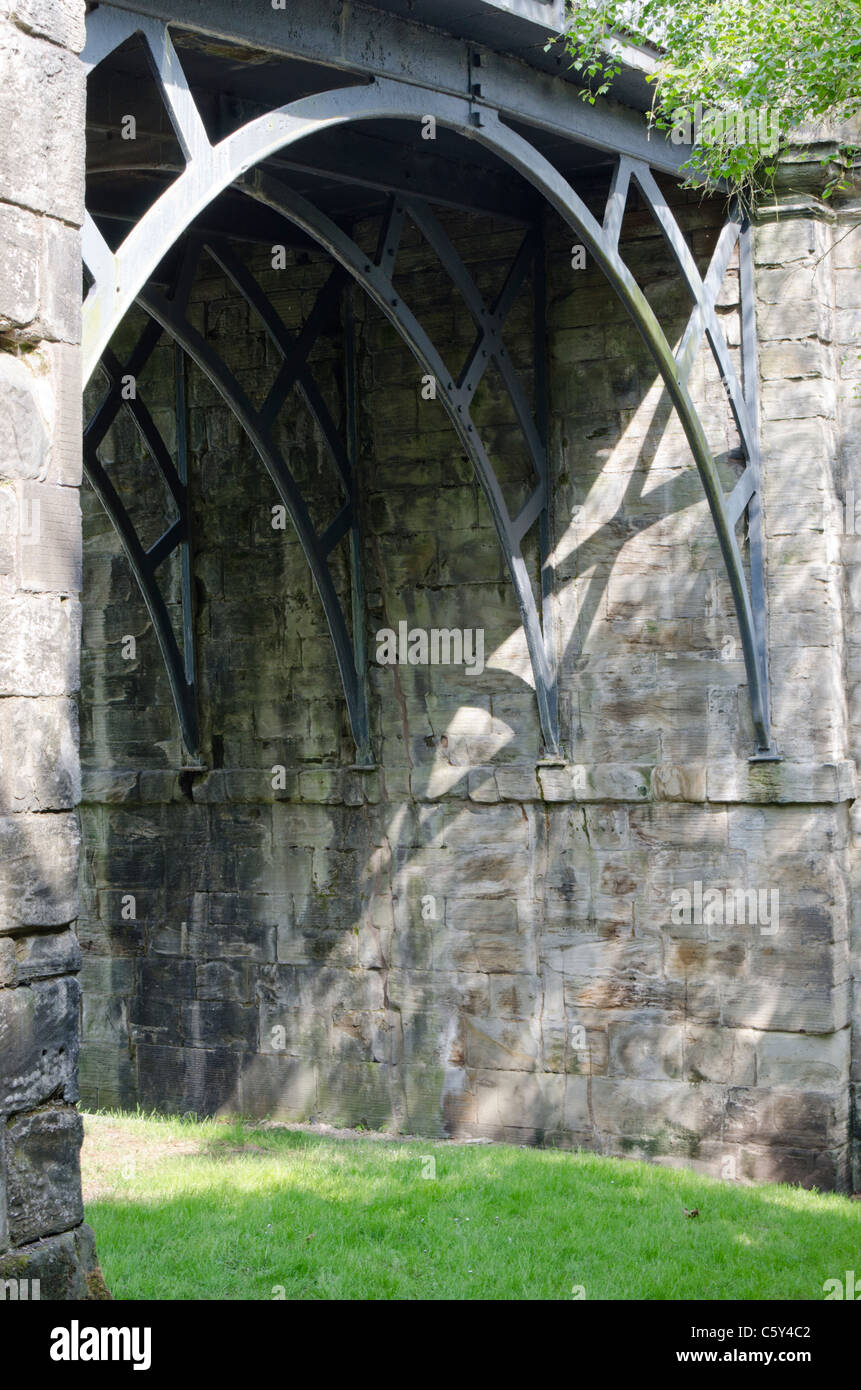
(723, 783)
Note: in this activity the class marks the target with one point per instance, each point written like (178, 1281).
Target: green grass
(210, 1211)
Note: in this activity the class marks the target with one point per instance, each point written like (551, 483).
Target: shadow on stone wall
(464, 941)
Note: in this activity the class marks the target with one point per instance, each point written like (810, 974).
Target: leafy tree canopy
(736, 76)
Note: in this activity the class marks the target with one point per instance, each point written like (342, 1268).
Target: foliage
(775, 63)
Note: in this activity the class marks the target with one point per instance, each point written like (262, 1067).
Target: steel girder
(119, 278)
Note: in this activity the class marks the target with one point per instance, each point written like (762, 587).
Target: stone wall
(467, 940)
(45, 1250)
(847, 520)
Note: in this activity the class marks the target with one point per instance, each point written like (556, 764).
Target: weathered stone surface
(38, 871)
(39, 765)
(362, 1091)
(43, 1173)
(38, 1043)
(781, 782)
(48, 954)
(49, 561)
(20, 269)
(42, 179)
(61, 21)
(39, 271)
(188, 1080)
(38, 645)
(473, 938)
(35, 169)
(804, 1063)
(652, 1052)
(24, 433)
(65, 1266)
(281, 1086)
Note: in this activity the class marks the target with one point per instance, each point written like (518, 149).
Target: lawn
(206, 1210)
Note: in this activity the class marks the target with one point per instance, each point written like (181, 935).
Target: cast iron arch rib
(118, 280)
(375, 277)
(257, 424)
(145, 563)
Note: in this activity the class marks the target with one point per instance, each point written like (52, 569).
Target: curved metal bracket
(118, 280)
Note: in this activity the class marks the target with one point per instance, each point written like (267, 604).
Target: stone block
(61, 21)
(466, 827)
(784, 782)
(219, 1023)
(683, 825)
(43, 1173)
(484, 952)
(319, 991)
(476, 914)
(104, 1019)
(675, 782)
(786, 361)
(804, 1063)
(39, 764)
(24, 427)
(181, 1080)
(20, 270)
(38, 871)
(657, 1116)
(721, 1055)
(826, 1170)
(38, 1043)
(357, 1093)
(533, 1100)
(279, 1087)
(226, 980)
(49, 557)
(607, 827)
(797, 1119)
(42, 93)
(514, 996)
(150, 1020)
(39, 641)
(60, 279)
(42, 956)
(108, 1078)
(166, 978)
(413, 990)
(646, 1050)
(781, 1008)
(501, 1044)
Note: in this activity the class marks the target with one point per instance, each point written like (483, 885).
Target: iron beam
(364, 41)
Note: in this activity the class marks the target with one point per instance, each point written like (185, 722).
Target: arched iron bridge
(478, 97)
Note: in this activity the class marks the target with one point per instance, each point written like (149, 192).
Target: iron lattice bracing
(121, 277)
